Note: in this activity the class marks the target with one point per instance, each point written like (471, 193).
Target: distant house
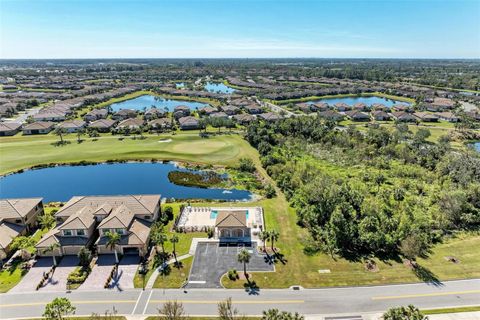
(207, 110)
(443, 103)
(72, 126)
(160, 123)
(448, 116)
(17, 217)
(40, 127)
(360, 106)
(357, 115)
(401, 108)
(102, 125)
(403, 116)
(426, 117)
(96, 114)
(331, 115)
(342, 106)
(270, 116)
(181, 111)
(379, 106)
(244, 118)
(131, 123)
(188, 123)
(319, 106)
(253, 109)
(380, 115)
(230, 110)
(221, 115)
(123, 114)
(9, 128)
(153, 113)
(50, 116)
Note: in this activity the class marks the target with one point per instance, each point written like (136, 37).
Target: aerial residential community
(297, 163)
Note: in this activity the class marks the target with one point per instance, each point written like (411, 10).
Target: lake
(476, 146)
(147, 101)
(218, 87)
(63, 182)
(367, 100)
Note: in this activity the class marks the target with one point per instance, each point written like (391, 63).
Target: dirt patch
(371, 266)
(452, 259)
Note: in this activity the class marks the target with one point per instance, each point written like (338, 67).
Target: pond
(63, 182)
(476, 146)
(367, 100)
(147, 101)
(218, 87)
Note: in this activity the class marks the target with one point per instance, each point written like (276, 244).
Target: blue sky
(239, 28)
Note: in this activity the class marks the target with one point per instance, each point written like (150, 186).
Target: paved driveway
(213, 260)
(34, 275)
(100, 272)
(58, 281)
(126, 272)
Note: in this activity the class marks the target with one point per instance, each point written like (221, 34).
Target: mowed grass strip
(21, 152)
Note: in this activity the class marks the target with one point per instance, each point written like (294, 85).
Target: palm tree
(113, 239)
(59, 131)
(264, 236)
(273, 237)
(46, 221)
(79, 134)
(51, 248)
(174, 239)
(244, 257)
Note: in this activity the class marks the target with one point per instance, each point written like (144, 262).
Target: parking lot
(213, 260)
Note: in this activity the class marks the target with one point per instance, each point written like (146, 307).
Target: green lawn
(176, 277)
(21, 152)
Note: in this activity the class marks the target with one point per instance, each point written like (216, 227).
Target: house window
(18, 221)
(119, 231)
(67, 232)
(148, 217)
(80, 232)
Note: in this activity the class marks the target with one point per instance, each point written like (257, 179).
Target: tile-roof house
(17, 217)
(360, 106)
(426, 117)
(404, 116)
(132, 123)
(331, 115)
(153, 113)
(342, 106)
(102, 125)
(96, 114)
(357, 115)
(181, 111)
(207, 110)
(188, 123)
(448, 116)
(253, 109)
(221, 115)
(161, 123)
(129, 216)
(270, 116)
(244, 118)
(230, 110)
(319, 106)
(9, 128)
(73, 125)
(40, 127)
(231, 224)
(123, 114)
(380, 115)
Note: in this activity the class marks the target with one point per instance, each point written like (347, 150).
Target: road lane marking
(233, 301)
(148, 302)
(138, 300)
(73, 302)
(452, 293)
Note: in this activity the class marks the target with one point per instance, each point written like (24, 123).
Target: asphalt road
(351, 300)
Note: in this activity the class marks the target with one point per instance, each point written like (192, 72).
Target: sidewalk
(155, 273)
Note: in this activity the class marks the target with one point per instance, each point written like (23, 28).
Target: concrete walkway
(156, 273)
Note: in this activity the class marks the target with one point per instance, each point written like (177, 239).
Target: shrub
(232, 274)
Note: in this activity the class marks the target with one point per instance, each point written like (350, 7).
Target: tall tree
(264, 236)
(274, 235)
(244, 257)
(58, 309)
(52, 248)
(113, 239)
(172, 310)
(174, 240)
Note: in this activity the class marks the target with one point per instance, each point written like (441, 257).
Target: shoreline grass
(346, 95)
